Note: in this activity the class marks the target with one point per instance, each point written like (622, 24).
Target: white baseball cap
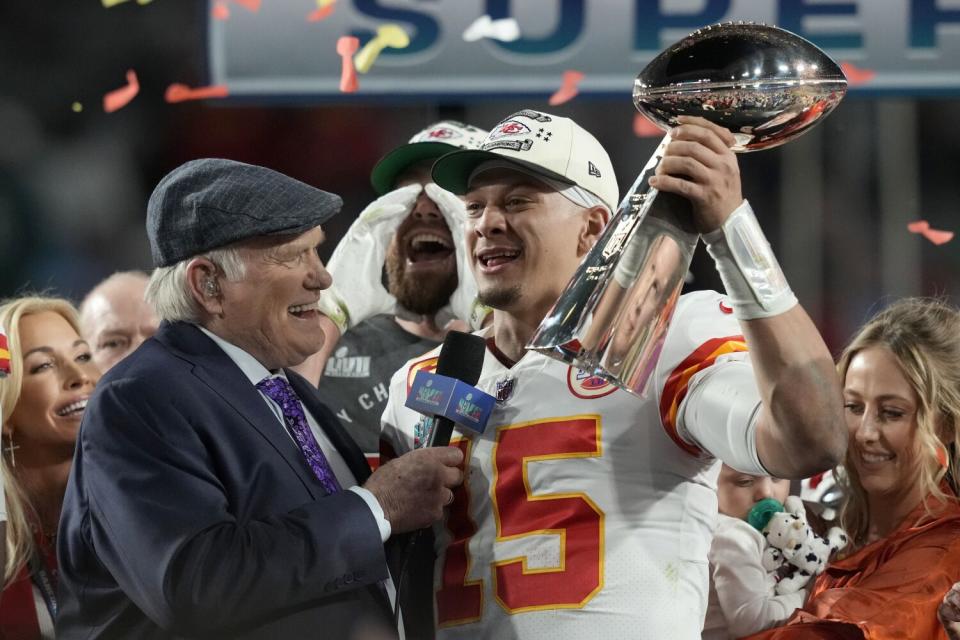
(552, 146)
(434, 141)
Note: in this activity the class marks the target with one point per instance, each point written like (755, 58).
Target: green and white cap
(436, 140)
(554, 147)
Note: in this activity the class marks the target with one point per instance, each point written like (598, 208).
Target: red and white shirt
(585, 512)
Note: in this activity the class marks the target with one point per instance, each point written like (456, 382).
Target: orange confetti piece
(568, 88)
(220, 11)
(251, 5)
(180, 92)
(855, 75)
(936, 236)
(643, 128)
(118, 98)
(321, 13)
(346, 47)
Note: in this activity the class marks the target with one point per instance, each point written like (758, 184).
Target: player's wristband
(750, 272)
(333, 306)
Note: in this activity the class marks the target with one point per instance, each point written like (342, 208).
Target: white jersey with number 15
(584, 513)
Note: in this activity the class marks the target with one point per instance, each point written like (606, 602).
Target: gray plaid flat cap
(209, 203)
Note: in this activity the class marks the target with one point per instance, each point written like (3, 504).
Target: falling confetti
(220, 11)
(119, 98)
(181, 93)
(855, 75)
(388, 36)
(346, 47)
(936, 236)
(505, 29)
(324, 10)
(77, 107)
(321, 14)
(568, 88)
(644, 128)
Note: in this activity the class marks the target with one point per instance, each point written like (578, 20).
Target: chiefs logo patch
(442, 133)
(508, 128)
(583, 385)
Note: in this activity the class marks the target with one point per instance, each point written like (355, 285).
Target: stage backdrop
(900, 46)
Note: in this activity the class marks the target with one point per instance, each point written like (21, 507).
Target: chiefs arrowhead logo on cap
(442, 133)
(508, 128)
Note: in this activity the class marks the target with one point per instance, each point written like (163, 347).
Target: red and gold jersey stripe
(675, 389)
(427, 364)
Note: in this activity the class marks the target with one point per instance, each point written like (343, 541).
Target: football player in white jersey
(587, 512)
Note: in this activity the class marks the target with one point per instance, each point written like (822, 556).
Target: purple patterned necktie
(280, 391)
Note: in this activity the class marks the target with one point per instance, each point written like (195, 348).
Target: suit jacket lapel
(215, 369)
(331, 426)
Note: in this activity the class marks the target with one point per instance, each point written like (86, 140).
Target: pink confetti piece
(119, 98)
(220, 11)
(346, 47)
(322, 13)
(180, 92)
(855, 75)
(936, 236)
(568, 88)
(250, 5)
(643, 128)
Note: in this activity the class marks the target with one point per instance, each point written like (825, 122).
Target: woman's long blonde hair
(20, 513)
(923, 334)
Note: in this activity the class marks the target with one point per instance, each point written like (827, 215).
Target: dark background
(73, 186)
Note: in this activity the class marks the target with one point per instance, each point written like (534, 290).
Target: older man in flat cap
(212, 495)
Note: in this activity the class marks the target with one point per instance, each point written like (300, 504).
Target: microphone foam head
(461, 357)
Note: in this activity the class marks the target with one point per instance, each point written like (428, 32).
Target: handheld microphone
(459, 364)
(461, 359)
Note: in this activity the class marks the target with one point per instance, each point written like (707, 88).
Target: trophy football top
(765, 84)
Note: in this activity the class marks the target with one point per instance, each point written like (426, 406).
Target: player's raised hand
(699, 165)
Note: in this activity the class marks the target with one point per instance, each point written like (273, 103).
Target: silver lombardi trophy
(767, 86)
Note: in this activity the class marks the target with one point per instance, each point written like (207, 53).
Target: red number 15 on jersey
(519, 513)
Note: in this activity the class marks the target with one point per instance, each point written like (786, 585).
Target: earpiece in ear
(210, 287)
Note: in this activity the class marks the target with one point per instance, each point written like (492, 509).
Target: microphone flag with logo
(448, 395)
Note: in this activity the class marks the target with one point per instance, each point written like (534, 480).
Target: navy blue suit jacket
(190, 512)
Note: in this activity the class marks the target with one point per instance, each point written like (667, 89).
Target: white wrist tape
(750, 272)
(332, 306)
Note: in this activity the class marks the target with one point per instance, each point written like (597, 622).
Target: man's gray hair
(169, 294)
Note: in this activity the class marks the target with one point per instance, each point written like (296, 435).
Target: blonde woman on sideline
(42, 401)
(901, 389)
